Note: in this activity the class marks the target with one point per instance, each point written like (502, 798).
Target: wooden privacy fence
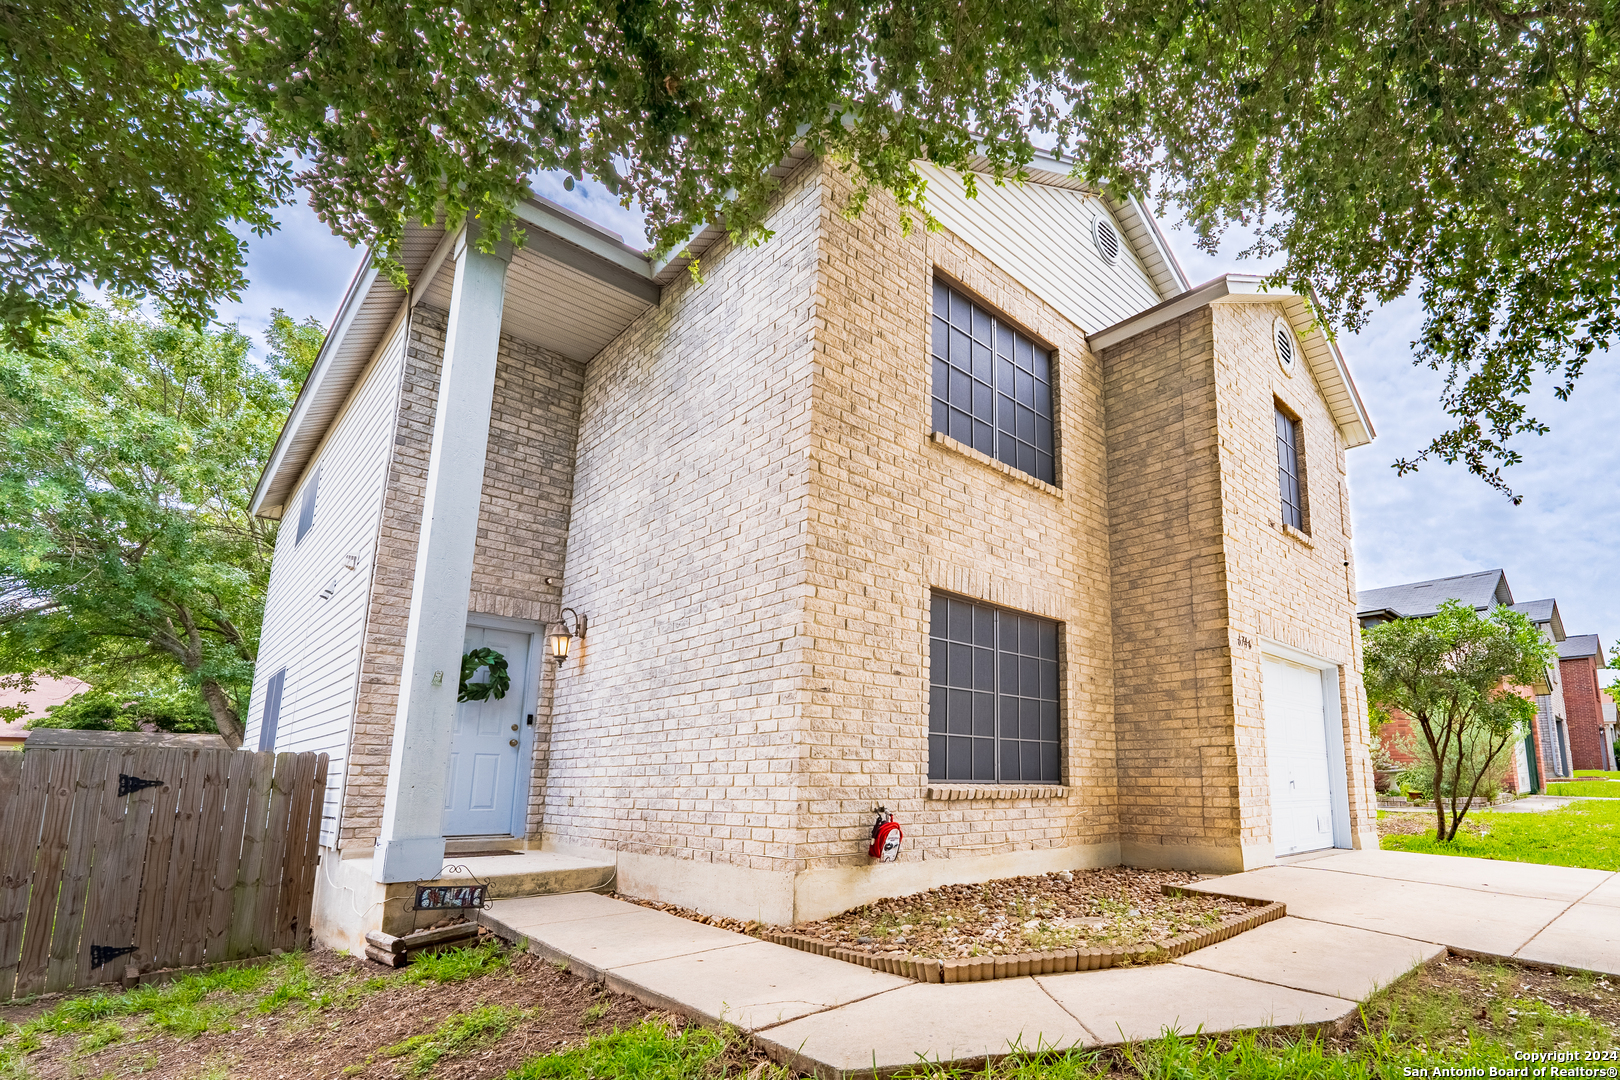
(156, 857)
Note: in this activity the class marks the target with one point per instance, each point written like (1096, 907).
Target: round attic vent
(1108, 241)
(1287, 347)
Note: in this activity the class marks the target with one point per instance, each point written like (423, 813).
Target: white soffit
(1321, 354)
(572, 288)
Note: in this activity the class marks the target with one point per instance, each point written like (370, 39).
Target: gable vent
(1287, 350)
(1109, 244)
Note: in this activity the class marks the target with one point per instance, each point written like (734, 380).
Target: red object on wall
(886, 836)
(881, 840)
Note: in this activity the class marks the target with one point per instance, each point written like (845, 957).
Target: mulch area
(346, 1040)
(1112, 907)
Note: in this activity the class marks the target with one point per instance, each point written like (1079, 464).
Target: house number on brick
(1245, 642)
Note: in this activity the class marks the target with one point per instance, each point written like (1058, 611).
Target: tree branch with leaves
(1465, 154)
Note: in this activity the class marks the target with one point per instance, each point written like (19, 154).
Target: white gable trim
(1321, 352)
(1137, 223)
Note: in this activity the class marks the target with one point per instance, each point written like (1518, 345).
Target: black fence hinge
(128, 785)
(105, 954)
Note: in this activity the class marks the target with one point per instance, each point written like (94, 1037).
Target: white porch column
(411, 846)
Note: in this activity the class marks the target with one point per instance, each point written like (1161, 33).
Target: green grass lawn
(1597, 772)
(1455, 1013)
(1581, 834)
(1590, 789)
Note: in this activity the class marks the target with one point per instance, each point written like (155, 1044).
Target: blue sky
(1441, 521)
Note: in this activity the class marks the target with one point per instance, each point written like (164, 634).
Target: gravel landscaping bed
(1115, 907)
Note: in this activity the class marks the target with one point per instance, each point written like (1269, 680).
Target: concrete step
(528, 873)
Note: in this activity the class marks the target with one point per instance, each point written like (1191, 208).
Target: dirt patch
(1461, 1001)
(528, 1009)
(1484, 983)
(1406, 823)
(1114, 907)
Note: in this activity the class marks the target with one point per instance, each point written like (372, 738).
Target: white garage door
(1297, 756)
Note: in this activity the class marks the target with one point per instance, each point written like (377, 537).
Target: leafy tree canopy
(168, 704)
(1466, 153)
(1456, 674)
(123, 162)
(129, 450)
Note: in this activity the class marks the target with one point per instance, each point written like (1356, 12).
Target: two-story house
(1002, 527)
(1580, 659)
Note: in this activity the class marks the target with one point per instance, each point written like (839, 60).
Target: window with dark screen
(993, 697)
(272, 710)
(306, 507)
(992, 385)
(1288, 471)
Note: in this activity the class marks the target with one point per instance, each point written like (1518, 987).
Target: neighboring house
(1544, 753)
(1001, 527)
(1580, 658)
(1552, 724)
(1606, 677)
(46, 693)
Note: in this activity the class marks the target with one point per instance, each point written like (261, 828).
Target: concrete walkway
(1558, 915)
(1357, 920)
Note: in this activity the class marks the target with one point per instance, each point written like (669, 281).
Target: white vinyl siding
(1043, 237)
(318, 641)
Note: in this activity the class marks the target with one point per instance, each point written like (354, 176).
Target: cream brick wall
(1289, 587)
(675, 732)
(522, 540)
(896, 514)
(1205, 573)
(1178, 783)
(754, 521)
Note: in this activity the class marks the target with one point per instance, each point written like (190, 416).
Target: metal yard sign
(443, 897)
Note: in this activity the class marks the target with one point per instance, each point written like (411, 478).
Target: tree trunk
(1438, 756)
(225, 718)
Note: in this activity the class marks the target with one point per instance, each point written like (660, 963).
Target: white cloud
(301, 268)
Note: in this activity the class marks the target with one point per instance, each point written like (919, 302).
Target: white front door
(1297, 757)
(480, 791)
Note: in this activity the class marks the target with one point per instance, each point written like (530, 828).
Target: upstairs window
(992, 385)
(306, 508)
(272, 710)
(993, 695)
(1288, 471)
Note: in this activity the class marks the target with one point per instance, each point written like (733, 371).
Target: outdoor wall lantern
(560, 638)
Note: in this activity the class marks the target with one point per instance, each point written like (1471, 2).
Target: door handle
(511, 742)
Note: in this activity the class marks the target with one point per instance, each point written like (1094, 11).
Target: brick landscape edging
(1047, 962)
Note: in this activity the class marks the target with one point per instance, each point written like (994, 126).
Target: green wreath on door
(499, 680)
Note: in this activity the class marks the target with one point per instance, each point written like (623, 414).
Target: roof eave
(359, 288)
(1355, 425)
(555, 232)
